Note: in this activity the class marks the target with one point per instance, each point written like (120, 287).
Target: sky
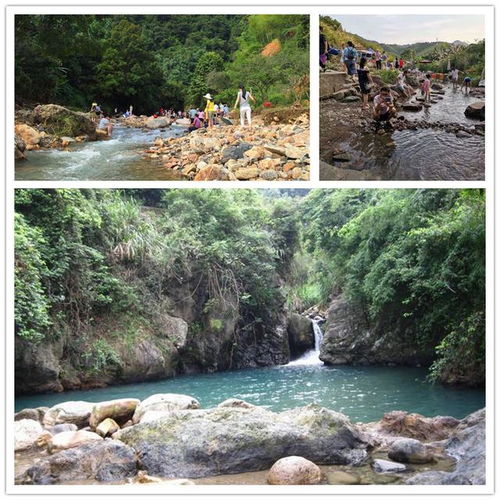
(414, 28)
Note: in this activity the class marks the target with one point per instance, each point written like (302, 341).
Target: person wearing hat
(209, 110)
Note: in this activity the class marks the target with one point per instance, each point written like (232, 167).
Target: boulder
(70, 412)
(256, 153)
(60, 121)
(107, 427)
(235, 403)
(119, 410)
(410, 451)
(384, 466)
(247, 173)
(104, 460)
(236, 151)
(71, 439)
(268, 175)
(29, 136)
(56, 429)
(26, 433)
(155, 123)
(300, 334)
(183, 122)
(413, 425)
(31, 413)
(437, 86)
(227, 440)
(294, 152)
(475, 110)
(212, 173)
(199, 143)
(164, 402)
(294, 470)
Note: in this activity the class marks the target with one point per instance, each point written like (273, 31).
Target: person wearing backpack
(350, 55)
(243, 99)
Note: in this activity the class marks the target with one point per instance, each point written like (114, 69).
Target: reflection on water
(362, 393)
(119, 158)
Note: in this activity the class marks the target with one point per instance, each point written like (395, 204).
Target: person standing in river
(243, 99)
(454, 77)
(365, 82)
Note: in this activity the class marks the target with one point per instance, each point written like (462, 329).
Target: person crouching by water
(243, 99)
(105, 124)
(383, 106)
(365, 82)
(209, 110)
(466, 83)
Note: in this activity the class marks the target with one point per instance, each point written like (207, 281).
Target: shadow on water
(421, 154)
(119, 158)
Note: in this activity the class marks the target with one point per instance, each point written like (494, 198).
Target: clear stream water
(422, 154)
(362, 393)
(118, 158)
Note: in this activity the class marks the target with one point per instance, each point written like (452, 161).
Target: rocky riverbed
(169, 438)
(265, 152)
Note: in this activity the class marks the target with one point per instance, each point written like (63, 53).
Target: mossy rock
(60, 121)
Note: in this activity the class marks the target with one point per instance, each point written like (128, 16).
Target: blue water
(362, 393)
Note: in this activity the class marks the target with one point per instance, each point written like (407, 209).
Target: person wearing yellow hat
(209, 110)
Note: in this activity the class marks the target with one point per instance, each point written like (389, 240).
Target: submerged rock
(200, 443)
(410, 451)
(294, 470)
(383, 466)
(99, 461)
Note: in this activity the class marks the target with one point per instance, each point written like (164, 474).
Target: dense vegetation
(468, 58)
(153, 61)
(411, 258)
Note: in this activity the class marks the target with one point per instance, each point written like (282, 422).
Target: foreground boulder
(476, 110)
(26, 433)
(119, 410)
(71, 439)
(294, 470)
(107, 427)
(27, 137)
(226, 440)
(413, 425)
(60, 121)
(70, 412)
(31, 414)
(467, 446)
(164, 403)
(99, 461)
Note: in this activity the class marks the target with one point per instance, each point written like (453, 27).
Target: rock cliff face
(348, 339)
(191, 334)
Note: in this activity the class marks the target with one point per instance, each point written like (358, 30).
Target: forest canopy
(159, 60)
(413, 259)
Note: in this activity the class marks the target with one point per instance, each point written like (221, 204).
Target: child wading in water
(466, 83)
(365, 82)
(425, 87)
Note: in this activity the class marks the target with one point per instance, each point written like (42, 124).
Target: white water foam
(311, 357)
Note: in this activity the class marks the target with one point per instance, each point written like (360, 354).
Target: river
(362, 393)
(422, 154)
(118, 158)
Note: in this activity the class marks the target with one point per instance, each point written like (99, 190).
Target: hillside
(336, 36)
(421, 49)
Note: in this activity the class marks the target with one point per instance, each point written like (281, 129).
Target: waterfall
(311, 357)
